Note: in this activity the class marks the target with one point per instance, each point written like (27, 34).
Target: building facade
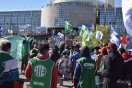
(81, 12)
(111, 16)
(20, 21)
(110, 2)
(55, 16)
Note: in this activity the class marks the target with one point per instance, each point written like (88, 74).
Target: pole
(17, 22)
(115, 18)
(105, 17)
(64, 37)
(10, 20)
(31, 22)
(4, 22)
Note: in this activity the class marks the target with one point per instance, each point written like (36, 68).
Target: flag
(60, 35)
(99, 35)
(16, 46)
(68, 27)
(122, 46)
(114, 37)
(124, 40)
(84, 33)
(1, 30)
(127, 15)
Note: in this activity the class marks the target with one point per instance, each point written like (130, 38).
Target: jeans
(99, 81)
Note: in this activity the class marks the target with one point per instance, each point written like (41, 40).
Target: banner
(16, 45)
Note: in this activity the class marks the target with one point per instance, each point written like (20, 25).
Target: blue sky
(7, 5)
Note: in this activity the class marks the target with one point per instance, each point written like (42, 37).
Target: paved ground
(67, 84)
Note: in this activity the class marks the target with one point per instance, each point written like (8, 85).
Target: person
(98, 57)
(34, 50)
(113, 67)
(24, 52)
(8, 67)
(54, 54)
(66, 51)
(41, 71)
(61, 47)
(104, 53)
(84, 75)
(99, 79)
(127, 65)
(74, 55)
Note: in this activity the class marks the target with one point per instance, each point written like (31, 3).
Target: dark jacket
(113, 66)
(127, 64)
(113, 70)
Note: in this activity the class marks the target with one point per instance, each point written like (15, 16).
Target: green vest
(24, 50)
(3, 58)
(42, 73)
(87, 79)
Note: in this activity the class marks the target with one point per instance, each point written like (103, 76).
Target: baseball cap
(103, 50)
(111, 45)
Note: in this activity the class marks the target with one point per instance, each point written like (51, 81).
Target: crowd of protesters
(46, 67)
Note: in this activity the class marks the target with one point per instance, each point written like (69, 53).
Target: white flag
(60, 34)
(127, 15)
(99, 35)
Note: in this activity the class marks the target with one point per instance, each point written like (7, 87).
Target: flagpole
(105, 17)
(64, 37)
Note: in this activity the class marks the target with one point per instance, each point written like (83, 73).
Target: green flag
(84, 33)
(16, 44)
(68, 27)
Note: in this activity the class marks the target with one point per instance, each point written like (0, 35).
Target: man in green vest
(84, 75)
(41, 71)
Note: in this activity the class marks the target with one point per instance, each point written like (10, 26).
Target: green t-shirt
(87, 79)
(42, 73)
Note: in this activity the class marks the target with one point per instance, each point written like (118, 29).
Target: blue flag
(1, 31)
(114, 37)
